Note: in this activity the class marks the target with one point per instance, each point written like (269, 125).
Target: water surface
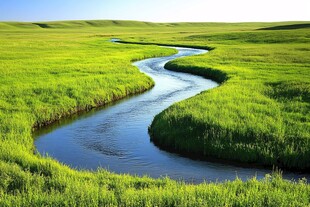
(116, 137)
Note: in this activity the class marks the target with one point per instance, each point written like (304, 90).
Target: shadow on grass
(287, 27)
(42, 25)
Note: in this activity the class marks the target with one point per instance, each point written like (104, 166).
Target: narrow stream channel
(116, 136)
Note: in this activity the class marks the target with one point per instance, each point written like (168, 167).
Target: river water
(116, 137)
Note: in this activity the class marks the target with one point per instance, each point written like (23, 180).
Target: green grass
(260, 113)
(53, 69)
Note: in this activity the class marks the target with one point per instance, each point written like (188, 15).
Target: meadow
(259, 114)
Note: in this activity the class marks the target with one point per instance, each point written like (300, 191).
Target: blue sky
(156, 10)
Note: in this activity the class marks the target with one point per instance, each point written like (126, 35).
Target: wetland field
(256, 116)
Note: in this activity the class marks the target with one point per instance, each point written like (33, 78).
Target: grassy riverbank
(50, 70)
(260, 114)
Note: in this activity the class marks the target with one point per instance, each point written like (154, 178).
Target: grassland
(254, 117)
(261, 110)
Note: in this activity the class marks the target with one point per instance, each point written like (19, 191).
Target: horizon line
(68, 20)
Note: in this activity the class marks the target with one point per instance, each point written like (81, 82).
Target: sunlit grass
(260, 111)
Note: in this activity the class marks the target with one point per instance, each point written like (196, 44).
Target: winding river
(116, 136)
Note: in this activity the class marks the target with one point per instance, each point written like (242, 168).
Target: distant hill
(75, 24)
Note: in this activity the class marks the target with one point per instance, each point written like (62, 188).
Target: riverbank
(258, 115)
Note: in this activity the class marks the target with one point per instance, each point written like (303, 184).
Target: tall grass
(51, 70)
(260, 113)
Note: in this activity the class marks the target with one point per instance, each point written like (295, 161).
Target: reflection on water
(116, 137)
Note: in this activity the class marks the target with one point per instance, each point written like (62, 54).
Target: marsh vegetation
(260, 113)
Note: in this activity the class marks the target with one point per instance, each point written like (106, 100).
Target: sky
(156, 10)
